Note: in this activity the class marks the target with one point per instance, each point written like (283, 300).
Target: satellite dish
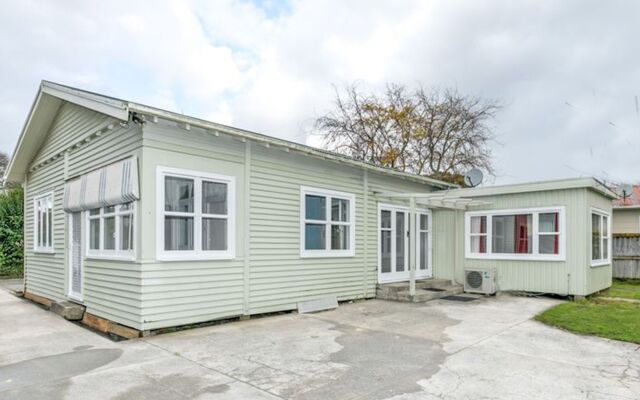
(473, 177)
(625, 190)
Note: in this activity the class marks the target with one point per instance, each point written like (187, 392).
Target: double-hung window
(110, 232)
(43, 223)
(195, 215)
(600, 238)
(523, 234)
(327, 223)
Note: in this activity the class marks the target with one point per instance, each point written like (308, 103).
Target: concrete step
(422, 294)
(390, 288)
(426, 295)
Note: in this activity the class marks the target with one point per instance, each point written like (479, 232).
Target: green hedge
(11, 233)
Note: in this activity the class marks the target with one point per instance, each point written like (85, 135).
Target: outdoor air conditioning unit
(480, 281)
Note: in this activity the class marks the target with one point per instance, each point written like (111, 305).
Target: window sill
(326, 254)
(600, 263)
(194, 257)
(102, 257)
(44, 251)
(494, 257)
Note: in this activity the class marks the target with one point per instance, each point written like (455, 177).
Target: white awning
(114, 184)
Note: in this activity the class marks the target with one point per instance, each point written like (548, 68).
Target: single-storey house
(153, 219)
(626, 213)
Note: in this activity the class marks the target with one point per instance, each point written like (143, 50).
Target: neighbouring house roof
(632, 201)
(51, 95)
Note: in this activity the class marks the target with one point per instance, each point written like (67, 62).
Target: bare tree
(438, 133)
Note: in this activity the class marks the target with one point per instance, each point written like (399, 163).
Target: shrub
(11, 232)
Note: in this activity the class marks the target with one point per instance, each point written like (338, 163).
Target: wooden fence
(626, 256)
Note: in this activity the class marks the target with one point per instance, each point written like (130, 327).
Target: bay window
(43, 223)
(535, 234)
(195, 215)
(110, 232)
(327, 223)
(600, 238)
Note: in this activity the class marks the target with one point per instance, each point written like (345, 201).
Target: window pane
(340, 210)
(479, 224)
(339, 237)
(595, 237)
(478, 244)
(94, 234)
(315, 207)
(424, 245)
(49, 240)
(214, 198)
(39, 229)
(178, 194)
(385, 219)
(548, 222)
(126, 233)
(314, 237)
(126, 206)
(110, 233)
(178, 233)
(214, 234)
(512, 234)
(109, 210)
(548, 244)
(605, 226)
(424, 222)
(400, 237)
(95, 211)
(385, 250)
(605, 248)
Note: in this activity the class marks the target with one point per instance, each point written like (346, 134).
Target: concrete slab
(488, 348)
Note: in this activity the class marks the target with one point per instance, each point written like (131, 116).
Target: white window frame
(111, 254)
(601, 214)
(37, 230)
(197, 253)
(327, 251)
(534, 255)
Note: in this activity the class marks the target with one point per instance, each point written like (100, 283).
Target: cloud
(566, 72)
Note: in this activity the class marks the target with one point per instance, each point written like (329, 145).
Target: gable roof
(51, 95)
(632, 201)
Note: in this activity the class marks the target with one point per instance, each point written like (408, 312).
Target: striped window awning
(114, 184)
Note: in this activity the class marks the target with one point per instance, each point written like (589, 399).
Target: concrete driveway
(487, 348)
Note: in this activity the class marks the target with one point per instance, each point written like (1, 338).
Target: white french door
(394, 244)
(75, 256)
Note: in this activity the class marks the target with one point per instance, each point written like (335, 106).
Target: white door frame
(395, 276)
(70, 294)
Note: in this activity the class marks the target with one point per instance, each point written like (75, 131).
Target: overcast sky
(567, 72)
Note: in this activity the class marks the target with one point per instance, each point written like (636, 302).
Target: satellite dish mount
(473, 177)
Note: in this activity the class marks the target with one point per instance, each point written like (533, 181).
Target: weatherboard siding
(626, 220)
(111, 288)
(570, 276)
(183, 292)
(597, 278)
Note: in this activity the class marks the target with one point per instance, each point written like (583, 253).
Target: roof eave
(42, 112)
(304, 149)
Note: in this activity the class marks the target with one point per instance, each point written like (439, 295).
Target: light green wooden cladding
(267, 273)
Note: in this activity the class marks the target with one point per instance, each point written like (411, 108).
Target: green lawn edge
(617, 320)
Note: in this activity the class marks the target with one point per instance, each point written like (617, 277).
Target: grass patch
(624, 288)
(617, 320)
